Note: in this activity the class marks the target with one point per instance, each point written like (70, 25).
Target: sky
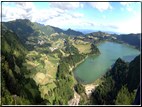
(120, 17)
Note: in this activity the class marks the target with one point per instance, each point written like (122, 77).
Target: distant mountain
(96, 34)
(19, 26)
(86, 31)
(73, 32)
(25, 26)
(131, 39)
(39, 24)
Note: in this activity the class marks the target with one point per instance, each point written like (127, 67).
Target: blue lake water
(95, 66)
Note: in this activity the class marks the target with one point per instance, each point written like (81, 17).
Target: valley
(38, 62)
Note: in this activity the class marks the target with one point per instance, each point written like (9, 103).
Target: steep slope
(123, 77)
(15, 85)
(26, 27)
(74, 33)
(131, 39)
(11, 45)
(19, 26)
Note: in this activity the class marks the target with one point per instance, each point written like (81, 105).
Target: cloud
(123, 3)
(12, 13)
(104, 16)
(7, 3)
(128, 6)
(122, 9)
(110, 7)
(81, 5)
(101, 6)
(27, 6)
(132, 25)
(75, 14)
(134, 12)
(57, 17)
(65, 5)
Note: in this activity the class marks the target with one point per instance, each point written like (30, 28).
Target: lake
(95, 66)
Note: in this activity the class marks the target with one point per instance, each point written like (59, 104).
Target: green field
(83, 48)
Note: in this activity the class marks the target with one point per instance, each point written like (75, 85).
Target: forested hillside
(37, 65)
(14, 83)
(120, 85)
(131, 39)
(27, 27)
(99, 37)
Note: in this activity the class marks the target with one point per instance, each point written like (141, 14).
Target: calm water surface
(95, 66)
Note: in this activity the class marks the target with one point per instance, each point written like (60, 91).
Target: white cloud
(101, 6)
(8, 3)
(134, 12)
(81, 5)
(53, 16)
(131, 25)
(27, 6)
(104, 16)
(128, 6)
(65, 5)
(110, 7)
(75, 14)
(12, 13)
(123, 3)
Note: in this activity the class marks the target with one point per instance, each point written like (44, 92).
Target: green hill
(131, 39)
(25, 26)
(38, 61)
(12, 45)
(121, 81)
(72, 32)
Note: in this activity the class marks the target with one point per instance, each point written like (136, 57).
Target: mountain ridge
(19, 25)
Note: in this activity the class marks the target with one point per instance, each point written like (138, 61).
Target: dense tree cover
(131, 39)
(63, 92)
(19, 26)
(67, 42)
(71, 49)
(94, 49)
(124, 97)
(16, 84)
(58, 52)
(13, 53)
(80, 88)
(11, 46)
(134, 74)
(117, 81)
(73, 59)
(63, 69)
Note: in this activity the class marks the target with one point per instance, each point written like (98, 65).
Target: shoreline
(119, 43)
(77, 64)
(73, 67)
